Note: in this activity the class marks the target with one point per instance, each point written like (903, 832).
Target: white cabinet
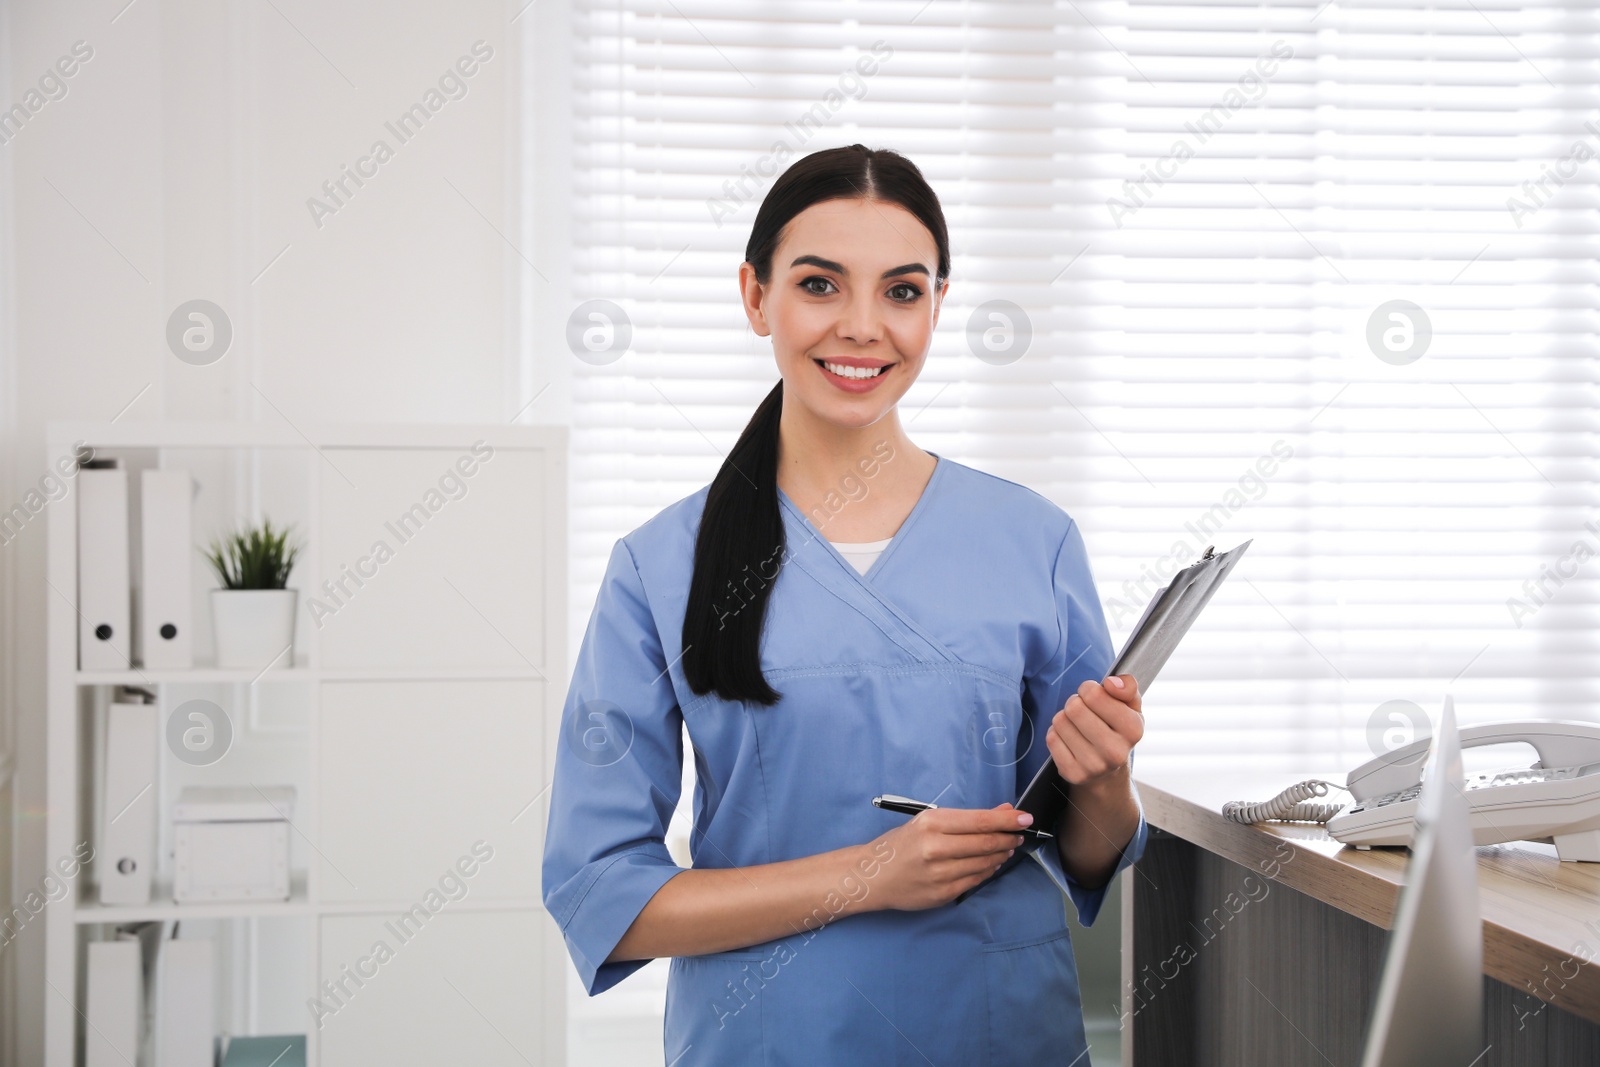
(417, 723)
(413, 774)
(432, 556)
(456, 990)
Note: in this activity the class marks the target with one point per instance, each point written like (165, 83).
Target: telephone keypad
(1476, 781)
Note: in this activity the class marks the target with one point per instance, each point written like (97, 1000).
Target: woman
(841, 614)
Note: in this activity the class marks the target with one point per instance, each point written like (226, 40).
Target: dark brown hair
(740, 545)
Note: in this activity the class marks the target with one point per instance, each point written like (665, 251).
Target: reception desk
(1262, 945)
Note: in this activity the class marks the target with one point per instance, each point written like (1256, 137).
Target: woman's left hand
(1091, 737)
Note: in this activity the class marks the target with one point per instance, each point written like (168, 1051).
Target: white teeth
(853, 372)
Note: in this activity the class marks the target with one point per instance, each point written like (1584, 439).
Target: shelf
(430, 674)
(199, 674)
(206, 675)
(350, 716)
(163, 907)
(306, 437)
(400, 907)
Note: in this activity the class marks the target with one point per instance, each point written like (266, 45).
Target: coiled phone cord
(1291, 805)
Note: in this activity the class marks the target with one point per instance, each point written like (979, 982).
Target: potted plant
(252, 615)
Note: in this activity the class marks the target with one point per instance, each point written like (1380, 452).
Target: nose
(859, 320)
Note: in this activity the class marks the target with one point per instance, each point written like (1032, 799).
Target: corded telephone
(1557, 798)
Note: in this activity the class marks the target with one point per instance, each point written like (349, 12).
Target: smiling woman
(950, 668)
(857, 368)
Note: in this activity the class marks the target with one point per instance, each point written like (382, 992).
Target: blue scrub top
(933, 675)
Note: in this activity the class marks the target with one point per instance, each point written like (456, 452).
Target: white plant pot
(253, 627)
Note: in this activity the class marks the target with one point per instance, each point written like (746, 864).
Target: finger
(949, 869)
(1126, 722)
(1066, 762)
(979, 868)
(1107, 704)
(966, 846)
(974, 820)
(952, 888)
(1088, 759)
(1124, 687)
(1103, 733)
(957, 866)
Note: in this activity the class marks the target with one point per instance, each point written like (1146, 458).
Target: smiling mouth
(854, 374)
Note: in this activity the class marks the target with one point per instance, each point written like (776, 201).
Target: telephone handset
(1556, 798)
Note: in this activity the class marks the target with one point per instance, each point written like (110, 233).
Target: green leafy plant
(257, 557)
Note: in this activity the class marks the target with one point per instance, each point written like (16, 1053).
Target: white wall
(178, 166)
(7, 569)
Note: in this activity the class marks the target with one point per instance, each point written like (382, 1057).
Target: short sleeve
(1083, 651)
(618, 774)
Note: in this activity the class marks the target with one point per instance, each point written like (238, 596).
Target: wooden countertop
(1541, 917)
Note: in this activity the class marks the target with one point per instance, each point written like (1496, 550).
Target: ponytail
(736, 559)
(740, 546)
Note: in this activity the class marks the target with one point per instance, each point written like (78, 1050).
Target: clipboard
(1155, 637)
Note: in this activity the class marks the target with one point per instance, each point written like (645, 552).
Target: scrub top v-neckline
(895, 539)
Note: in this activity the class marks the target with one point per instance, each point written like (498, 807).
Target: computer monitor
(1429, 1010)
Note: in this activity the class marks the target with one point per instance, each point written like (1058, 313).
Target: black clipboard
(1155, 637)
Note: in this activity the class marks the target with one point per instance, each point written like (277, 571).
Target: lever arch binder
(114, 1003)
(126, 860)
(104, 638)
(185, 1004)
(165, 547)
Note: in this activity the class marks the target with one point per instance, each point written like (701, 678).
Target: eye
(911, 290)
(806, 285)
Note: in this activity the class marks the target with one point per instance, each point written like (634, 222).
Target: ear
(938, 302)
(754, 300)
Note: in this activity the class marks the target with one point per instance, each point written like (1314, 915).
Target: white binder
(185, 1004)
(165, 624)
(114, 1004)
(104, 640)
(126, 859)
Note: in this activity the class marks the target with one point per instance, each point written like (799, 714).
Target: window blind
(1320, 275)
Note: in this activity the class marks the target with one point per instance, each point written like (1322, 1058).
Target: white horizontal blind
(1293, 169)
(1313, 164)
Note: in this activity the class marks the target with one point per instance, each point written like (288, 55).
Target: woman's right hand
(940, 853)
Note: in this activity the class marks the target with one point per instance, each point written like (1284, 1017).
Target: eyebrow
(828, 264)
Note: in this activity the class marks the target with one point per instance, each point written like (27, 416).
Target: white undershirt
(861, 554)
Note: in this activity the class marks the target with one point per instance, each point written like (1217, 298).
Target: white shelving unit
(417, 722)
